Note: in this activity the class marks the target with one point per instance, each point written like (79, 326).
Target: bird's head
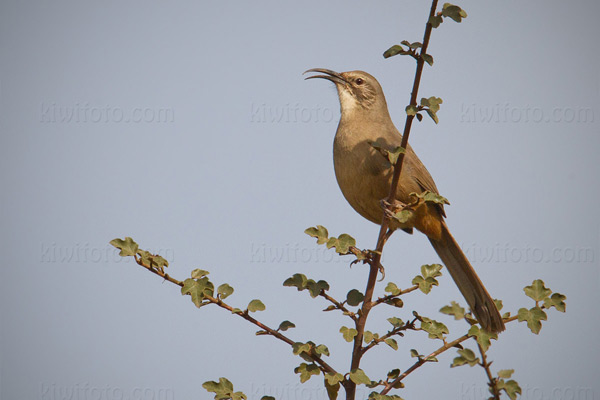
(358, 91)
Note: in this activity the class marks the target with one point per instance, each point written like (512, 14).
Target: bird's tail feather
(468, 282)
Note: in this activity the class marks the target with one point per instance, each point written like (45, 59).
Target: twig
(387, 298)
(318, 360)
(375, 264)
(493, 382)
(338, 305)
(396, 331)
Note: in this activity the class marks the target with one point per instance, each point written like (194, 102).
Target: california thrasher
(364, 176)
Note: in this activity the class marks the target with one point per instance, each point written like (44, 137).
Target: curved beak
(332, 76)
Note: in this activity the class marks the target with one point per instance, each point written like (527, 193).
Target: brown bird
(364, 176)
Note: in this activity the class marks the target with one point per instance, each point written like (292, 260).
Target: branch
(318, 360)
(375, 264)
(493, 382)
(387, 298)
(338, 305)
(396, 331)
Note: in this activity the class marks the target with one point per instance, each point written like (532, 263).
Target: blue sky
(188, 126)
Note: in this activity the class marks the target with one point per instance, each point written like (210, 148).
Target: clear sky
(188, 126)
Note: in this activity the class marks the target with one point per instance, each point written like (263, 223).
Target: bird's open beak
(332, 76)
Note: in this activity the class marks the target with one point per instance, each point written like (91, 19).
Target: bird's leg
(390, 209)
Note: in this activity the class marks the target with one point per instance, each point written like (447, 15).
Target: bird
(364, 176)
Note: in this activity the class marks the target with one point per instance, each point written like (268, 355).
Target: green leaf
(128, 247)
(303, 350)
(256, 305)
(224, 290)
(267, 398)
(332, 379)
(537, 291)
(199, 273)
(152, 260)
(505, 373)
(435, 21)
(332, 389)
(482, 336)
(454, 309)
(319, 232)
(430, 197)
(342, 243)
(435, 329)
(391, 153)
(198, 289)
(428, 59)
(354, 297)
(498, 304)
(427, 279)
(454, 12)
(412, 110)
(348, 333)
(404, 216)
(432, 102)
(394, 51)
(557, 301)
(285, 325)
(306, 371)
(368, 336)
(392, 343)
(511, 388)
(223, 390)
(297, 280)
(322, 350)
(396, 302)
(393, 374)
(378, 396)
(392, 289)
(465, 356)
(534, 318)
(415, 354)
(433, 115)
(315, 288)
(396, 322)
(359, 377)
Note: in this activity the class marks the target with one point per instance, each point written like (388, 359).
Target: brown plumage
(364, 176)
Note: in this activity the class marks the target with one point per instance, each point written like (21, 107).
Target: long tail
(468, 282)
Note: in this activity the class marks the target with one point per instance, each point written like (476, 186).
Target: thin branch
(375, 264)
(318, 360)
(387, 298)
(396, 331)
(493, 382)
(338, 305)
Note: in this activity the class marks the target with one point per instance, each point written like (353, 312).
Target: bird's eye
(359, 81)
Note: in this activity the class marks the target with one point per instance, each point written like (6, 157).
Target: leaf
(454, 309)
(411, 110)
(128, 247)
(433, 115)
(342, 243)
(511, 388)
(534, 318)
(435, 21)
(394, 51)
(297, 280)
(359, 377)
(354, 297)
(392, 343)
(537, 291)
(391, 153)
(322, 350)
(432, 102)
(498, 304)
(306, 371)
(223, 390)
(396, 322)
(454, 12)
(415, 354)
(428, 59)
(256, 305)
(427, 278)
(557, 301)
(505, 373)
(465, 356)
(392, 288)
(482, 336)
(396, 302)
(198, 289)
(406, 215)
(315, 288)
(332, 389)
(378, 396)
(224, 290)
(348, 333)
(199, 273)
(367, 336)
(319, 232)
(285, 325)
(430, 197)
(393, 374)
(332, 379)
(267, 398)
(435, 329)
